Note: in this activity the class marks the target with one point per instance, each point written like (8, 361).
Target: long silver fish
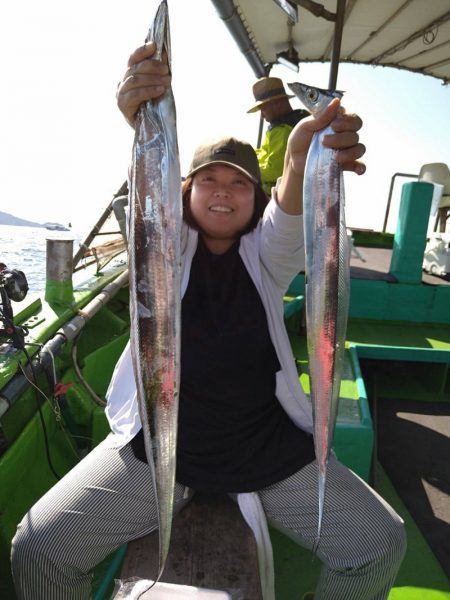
(155, 267)
(328, 280)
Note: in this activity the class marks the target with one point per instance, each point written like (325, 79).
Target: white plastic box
(169, 591)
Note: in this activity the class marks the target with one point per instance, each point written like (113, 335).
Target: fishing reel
(13, 286)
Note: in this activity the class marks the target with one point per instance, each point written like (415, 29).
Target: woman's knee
(393, 542)
(29, 543)
(378, 549)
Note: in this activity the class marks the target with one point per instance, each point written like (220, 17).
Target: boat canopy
(405, 34)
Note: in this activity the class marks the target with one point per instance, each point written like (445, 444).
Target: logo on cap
(225, 150)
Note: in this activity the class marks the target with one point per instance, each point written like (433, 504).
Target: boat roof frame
(229, 12)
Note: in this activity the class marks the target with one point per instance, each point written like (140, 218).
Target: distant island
(7, 219)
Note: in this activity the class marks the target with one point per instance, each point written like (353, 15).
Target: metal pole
(260, 131)
(336, 51)
(229, 15)
(122, 191)
(58, 283)
(391, 187)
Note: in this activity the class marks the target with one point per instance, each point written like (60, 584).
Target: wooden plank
(211, 547)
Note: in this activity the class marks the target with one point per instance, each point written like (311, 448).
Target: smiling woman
(222, 202)
(222, 195)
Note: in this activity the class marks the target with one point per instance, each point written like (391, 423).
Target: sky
(65, 148)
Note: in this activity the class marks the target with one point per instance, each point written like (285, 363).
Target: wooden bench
(211, 547)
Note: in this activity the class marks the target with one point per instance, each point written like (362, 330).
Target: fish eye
(312, 94)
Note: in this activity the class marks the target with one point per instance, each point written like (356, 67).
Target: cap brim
(227, 164)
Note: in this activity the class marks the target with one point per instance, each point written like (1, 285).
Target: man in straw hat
(273, 102)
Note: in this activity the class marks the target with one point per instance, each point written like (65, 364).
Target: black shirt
(233, 434)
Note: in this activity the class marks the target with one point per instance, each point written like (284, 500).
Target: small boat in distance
(56, 227)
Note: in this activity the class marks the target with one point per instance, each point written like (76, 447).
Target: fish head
(315, 99)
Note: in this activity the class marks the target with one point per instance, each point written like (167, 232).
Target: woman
(244, 423)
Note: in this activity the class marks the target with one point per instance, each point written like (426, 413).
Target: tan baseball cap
(267, 89)
(227, 151)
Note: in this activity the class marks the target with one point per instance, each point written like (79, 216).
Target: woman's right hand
(144, 79)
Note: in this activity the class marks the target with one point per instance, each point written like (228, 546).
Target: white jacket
(272, 253)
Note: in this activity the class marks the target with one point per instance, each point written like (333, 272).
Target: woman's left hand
(345, 139)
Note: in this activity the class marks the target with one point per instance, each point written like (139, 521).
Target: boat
(58, 350)
(56, 227)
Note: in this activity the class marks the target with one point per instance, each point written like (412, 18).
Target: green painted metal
(59, 292)
(112, 566)
(293, 305)
(410, 237)
(387, 301)
(28, 311)
(353, 437)
(389, 340)
(47, 318)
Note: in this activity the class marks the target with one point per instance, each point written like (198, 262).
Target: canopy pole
(260, 131)
(228, 13)
(122, 191)
(336, 51)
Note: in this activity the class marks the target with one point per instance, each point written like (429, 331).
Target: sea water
(24, 248)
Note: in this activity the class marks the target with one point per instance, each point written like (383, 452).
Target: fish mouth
(220, 208)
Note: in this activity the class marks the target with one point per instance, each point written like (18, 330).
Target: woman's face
(222, 203)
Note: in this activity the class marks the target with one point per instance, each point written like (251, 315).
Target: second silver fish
(327, 281)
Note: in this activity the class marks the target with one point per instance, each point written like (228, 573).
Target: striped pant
(106, 501)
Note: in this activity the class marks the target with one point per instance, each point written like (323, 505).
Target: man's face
(268, 110)
(275, 108)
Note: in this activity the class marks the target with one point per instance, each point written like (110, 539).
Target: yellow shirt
(271, 155)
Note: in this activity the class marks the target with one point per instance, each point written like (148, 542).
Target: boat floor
(374, 263)
(413, 446)
(421, 577)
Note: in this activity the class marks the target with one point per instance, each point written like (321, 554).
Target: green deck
(353, 437)
(429, 342)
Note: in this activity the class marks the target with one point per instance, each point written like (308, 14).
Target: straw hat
(267, 89)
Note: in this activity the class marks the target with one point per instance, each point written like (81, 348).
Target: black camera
(13, 286)
(14, 283)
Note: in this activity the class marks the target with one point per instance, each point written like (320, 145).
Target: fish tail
(143, 593)
(322, 476)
